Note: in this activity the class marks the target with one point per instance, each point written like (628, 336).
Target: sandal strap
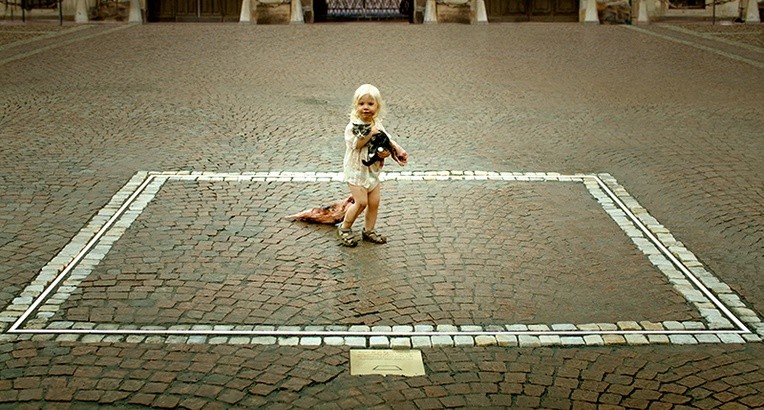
(346, 237)
(373, 236)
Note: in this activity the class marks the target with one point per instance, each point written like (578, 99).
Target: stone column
(81, 11)
(135, 12)
(482, 16)
(591, 16)
(752, 13)
(295, 13)
(429, 12)
(642, 16)
(246, 12)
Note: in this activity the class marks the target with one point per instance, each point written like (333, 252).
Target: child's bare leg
(361, 198)
(373, 208)
(368, 233)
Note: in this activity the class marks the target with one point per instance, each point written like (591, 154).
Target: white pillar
(81, 11)
(591, 16)
(135, 12)
(429, 12)
(642, 16)
(246, 11)
(752, 13)
(482, 16)
(296, 12)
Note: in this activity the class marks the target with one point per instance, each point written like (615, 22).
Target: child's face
(366, 108)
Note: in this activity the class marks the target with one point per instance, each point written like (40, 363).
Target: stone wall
(455, 11)
(272, 12)
(614, 11)
(111, 11)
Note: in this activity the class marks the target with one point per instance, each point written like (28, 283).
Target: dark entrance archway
(532, 10)
(193, 10)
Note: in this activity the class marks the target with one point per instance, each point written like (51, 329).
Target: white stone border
(724, 312)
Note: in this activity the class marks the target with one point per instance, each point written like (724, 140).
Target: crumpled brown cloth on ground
(331, 214)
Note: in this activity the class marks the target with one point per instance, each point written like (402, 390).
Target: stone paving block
(485, 340)
(529, 341)
(379, 341)
(400, 343)
(572, 341)
(464, 341)
(264, 340)
(594, 340)
(354, 341)
(629, 325)
(310, 341)
(334, 341)
(612, 339)
(440, 341)
(549, 340)
(418, 342)
(683, 339)
(196, 339)
(658, 339)
(731, 338)
(673, 325)
(563, 326)
(636, 339)
(446, 328)
(707, 338)
(403, 328)
(651, 326)
(289, 341)
(506, 340)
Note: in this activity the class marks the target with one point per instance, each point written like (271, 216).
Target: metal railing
(367, 9)
(28, 5)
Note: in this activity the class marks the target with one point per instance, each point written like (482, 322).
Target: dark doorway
(193, 10)
(532, 10)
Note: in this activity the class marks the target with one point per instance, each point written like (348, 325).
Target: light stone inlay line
(40, 35)
(60, 44)
(717, 37)
(754, 63)
(713, 299)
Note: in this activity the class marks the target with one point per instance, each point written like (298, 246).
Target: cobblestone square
(550, 164)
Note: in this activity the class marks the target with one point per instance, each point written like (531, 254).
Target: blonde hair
(371, 91)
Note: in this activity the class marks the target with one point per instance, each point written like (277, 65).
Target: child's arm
(401, 156)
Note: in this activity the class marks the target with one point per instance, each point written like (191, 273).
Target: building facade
(283, 11)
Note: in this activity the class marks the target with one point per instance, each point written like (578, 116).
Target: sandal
(346, 238)
(372, 236)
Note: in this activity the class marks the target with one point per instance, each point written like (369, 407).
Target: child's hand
(401, 156)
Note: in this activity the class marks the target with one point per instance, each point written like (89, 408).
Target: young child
(364, 180)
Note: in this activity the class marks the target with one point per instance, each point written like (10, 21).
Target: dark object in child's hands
(361, 130)
(378, 144)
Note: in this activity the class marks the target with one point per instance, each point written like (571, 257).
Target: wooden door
(194, 10)
(532, 10)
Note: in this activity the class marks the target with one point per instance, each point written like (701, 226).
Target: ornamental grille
(367, 9)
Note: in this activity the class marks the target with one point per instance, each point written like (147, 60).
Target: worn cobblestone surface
(83, 110)
(748, 34)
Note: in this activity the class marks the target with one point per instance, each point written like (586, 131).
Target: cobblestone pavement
(549, 165)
